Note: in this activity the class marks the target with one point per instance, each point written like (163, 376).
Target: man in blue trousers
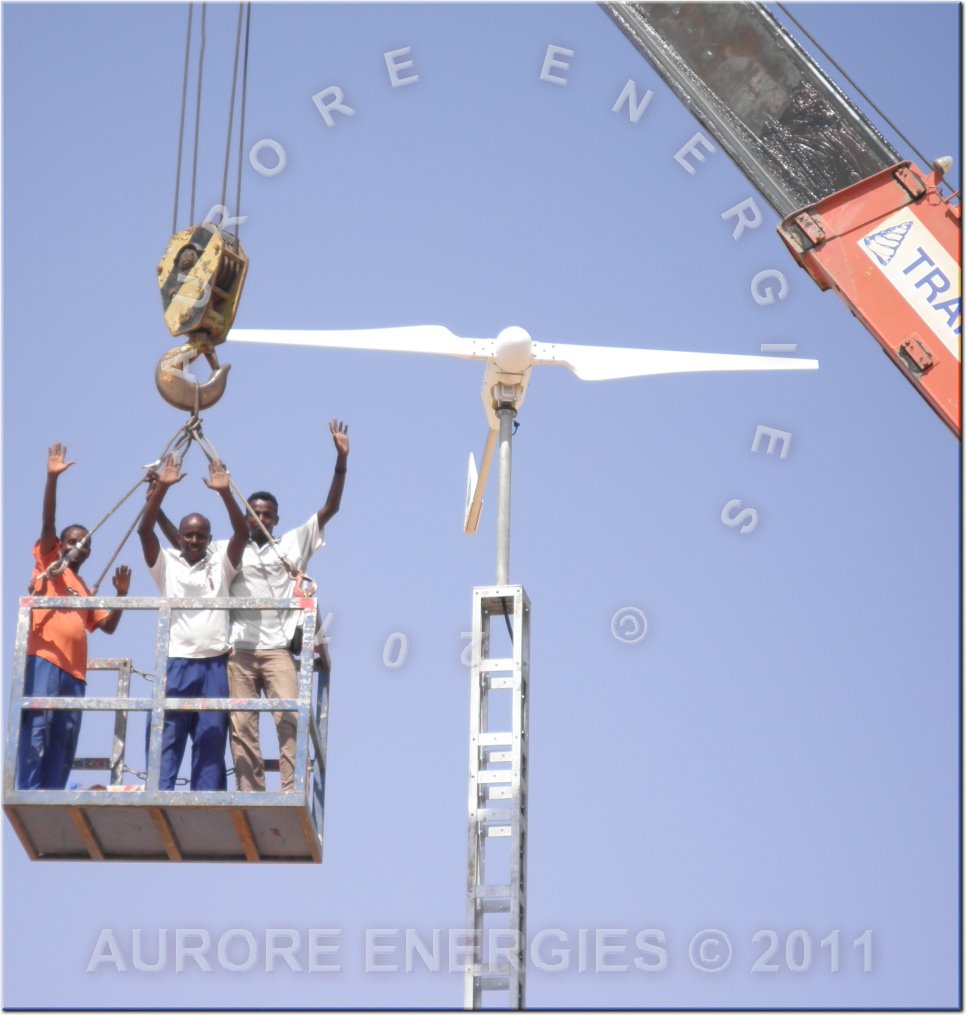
(198, 642)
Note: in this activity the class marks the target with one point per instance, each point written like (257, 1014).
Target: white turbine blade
(602, 363)
(476, 484)
(425, 338)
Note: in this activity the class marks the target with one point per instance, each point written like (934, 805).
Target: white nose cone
(513, 353)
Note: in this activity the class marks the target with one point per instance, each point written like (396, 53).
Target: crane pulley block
(201, 275)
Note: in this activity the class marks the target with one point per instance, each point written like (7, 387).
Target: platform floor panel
(274, 828)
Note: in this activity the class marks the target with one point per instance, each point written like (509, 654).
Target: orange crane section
(889, 246)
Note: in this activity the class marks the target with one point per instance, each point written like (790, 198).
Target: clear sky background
(779, 754)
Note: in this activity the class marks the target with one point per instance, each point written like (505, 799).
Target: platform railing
(310, 708)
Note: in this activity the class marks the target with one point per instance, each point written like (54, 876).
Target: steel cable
(241, 123)
(845, 74)
(201, 65)
(184, 97)
(231, 109)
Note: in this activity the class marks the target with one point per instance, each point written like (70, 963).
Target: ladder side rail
(123, 668)
(15, 712)
(303, 714)
(475, 873)
(156, 728)
(518, 857)
(120, 724)
(320, 729)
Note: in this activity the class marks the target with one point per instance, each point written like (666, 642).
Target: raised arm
(122, 582)
(169, 475)
(168, 529)
(56, 464)
(340, 437)
(239, 526)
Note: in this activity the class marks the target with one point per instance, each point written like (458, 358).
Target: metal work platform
(142, 822)
(499, 737)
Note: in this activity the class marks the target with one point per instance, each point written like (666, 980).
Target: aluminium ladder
(497, 869)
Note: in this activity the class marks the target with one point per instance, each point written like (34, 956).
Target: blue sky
(778, 756)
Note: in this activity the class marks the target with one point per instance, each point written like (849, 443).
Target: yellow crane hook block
(200, 276)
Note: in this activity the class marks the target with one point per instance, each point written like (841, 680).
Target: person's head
(194, 535)
(73, 536)
(264, 507)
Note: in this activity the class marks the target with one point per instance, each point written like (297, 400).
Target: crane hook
(182, 389)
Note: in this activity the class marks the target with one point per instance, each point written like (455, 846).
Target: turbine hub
(513, 350)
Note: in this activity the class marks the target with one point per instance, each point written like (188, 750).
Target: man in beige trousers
(261, 660)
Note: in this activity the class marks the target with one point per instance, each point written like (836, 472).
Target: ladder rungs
(501, 683)
(496, 666)
(493, 892)
(500, 815)
(494, 983)
(496, 775)
(495, 905)
(495, 739)
(498, 821)
(491, 755)
(498, 792)
(498, 831)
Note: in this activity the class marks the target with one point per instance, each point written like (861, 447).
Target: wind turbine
(510, 358)
(499, 751)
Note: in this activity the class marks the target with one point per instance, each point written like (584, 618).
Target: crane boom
(856, 217)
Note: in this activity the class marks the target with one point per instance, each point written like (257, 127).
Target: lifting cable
(241, 121)
(925, 159)
(243, 8)
(201, 67)
(184, 95)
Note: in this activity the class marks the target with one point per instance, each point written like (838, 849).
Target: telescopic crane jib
(860, 220)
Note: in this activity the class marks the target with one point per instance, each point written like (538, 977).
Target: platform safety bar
(308, 726)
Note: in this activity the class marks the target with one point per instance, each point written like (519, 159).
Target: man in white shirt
(261, 659)
(198, 641)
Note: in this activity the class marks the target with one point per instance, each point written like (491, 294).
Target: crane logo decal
(921, 271)
(885, 244)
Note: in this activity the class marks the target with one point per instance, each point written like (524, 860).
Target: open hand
(122, 580)
(219, 476)
(340, 436)
(55, 460)
(170, 472)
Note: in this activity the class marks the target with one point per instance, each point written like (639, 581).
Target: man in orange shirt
(57, 644)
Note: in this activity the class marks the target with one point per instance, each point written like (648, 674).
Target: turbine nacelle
(507, 374)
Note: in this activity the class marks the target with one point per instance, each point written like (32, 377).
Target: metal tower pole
(506, 415)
